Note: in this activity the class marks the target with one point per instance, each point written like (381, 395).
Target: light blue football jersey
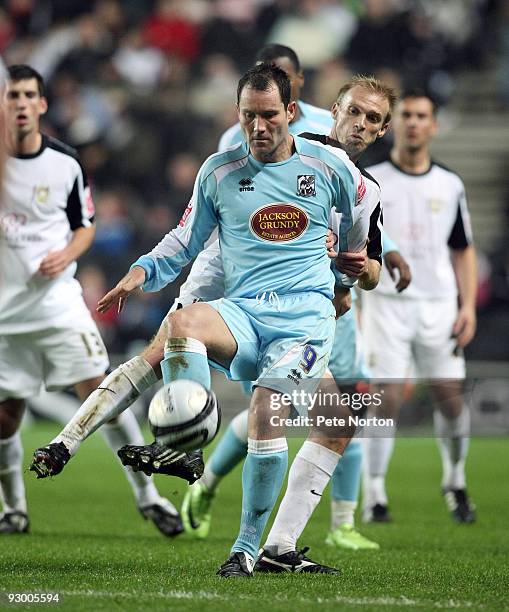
(272, 220)
(311, 119)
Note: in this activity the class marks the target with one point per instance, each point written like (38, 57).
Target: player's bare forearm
(464, 263)
(465, 268)
(57, 261)
(81, 241)
(369, 279)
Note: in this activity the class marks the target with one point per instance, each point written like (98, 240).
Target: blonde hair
(375, 86)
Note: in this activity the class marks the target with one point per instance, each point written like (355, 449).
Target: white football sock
(378, 455)
(311, 470)
(342, 511)
(127, 431)
(116, 393)
(12, 487)
(453, 440)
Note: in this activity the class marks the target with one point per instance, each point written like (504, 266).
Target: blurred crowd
(145, 88)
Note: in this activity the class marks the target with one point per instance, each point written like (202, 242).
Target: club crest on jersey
(435, 204)
(41, 195)
(306, 185)
(278, 222)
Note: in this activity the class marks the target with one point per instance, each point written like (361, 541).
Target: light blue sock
(185, 358)
(229, 451)
(347, 475)
(262, 478)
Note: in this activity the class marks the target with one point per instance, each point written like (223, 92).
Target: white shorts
(400, 333)
(57, 357)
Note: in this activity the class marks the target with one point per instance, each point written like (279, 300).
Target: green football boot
(196, 510)
(347, 537)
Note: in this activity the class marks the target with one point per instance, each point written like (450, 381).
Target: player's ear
(291, 110)
(383, 130)
(43, 106)
(334, 110)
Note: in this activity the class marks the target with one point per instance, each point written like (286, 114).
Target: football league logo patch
(306, 185)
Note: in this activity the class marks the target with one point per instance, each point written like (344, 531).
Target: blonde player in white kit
(47, 335)
(427, 326)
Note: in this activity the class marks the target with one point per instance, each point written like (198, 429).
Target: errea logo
(246, 184)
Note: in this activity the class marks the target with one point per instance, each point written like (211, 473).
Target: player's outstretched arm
(118, 295)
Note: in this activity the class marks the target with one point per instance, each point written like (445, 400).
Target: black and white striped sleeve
(80, 205)
(461, 234)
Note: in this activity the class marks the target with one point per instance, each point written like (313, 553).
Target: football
(184, 415)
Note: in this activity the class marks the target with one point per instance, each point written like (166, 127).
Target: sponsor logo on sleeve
(279, 222)
(89, 203)
(361, 189)
(186, 214)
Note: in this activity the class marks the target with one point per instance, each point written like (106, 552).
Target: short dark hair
(419, 92)
(273, 51)
(261, 76)
(22, 72)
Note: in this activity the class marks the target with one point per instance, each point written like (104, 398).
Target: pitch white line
(207, 595)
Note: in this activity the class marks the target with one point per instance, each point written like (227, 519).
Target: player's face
(264, 121)
(414, 123)
(24, 106)
(359, 119)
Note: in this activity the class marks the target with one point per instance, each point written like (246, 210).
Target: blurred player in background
(308, 118)
(428, 326)
(47, 335)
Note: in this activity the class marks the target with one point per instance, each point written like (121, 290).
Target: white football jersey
(426, 215)
(45, 197)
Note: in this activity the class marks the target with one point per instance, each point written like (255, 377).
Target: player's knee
(182, 324)
(11, 414)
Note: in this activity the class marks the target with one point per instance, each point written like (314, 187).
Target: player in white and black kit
(425, 211)
(47, 335)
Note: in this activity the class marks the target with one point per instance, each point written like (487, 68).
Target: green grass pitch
(89, 544)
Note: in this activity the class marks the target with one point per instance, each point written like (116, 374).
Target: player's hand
(353, 264)
(131, 281)
(342, 301)
(464, 326)
(55, 263)
(395, 261)
(330, 241)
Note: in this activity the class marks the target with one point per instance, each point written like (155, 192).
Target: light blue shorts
(283, 344)
(347, 361)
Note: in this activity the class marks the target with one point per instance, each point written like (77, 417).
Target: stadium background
(144, 89)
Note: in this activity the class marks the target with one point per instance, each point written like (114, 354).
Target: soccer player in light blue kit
(346, 364)
(277, 314)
